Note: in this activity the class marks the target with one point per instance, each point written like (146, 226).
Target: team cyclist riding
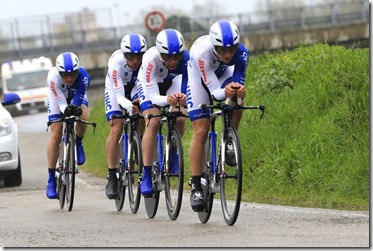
(140, 80)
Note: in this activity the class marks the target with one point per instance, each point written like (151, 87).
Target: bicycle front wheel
(61, 188)
(231, 177)
(134, 173)
(174, 176)
(70, 172)
(151, 202)
(119, 200)
(208, 195)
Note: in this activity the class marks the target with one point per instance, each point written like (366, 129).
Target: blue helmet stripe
(227, 33)
(173, 42)
(135, 43)
(68, 62)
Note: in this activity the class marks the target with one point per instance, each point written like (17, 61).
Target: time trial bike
(129, 164)
(168, 166)
(222, 172)
(67, 164)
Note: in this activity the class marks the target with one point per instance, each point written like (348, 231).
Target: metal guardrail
(88, 31)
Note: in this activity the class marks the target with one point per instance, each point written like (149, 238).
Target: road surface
(29, 219)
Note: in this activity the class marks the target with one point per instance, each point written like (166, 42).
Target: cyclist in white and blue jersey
(162, 81)
(121, 91)
(68, 83)
(216, 71)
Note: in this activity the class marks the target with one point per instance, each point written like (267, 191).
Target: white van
(27, 78)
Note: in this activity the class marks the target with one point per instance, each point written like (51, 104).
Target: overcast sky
(128, 9)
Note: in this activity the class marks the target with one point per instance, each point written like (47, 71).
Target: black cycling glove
(71, 110)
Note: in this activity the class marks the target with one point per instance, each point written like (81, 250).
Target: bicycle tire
(174, 183)
(208, 195)
(70, 172)
(60, 188)
(134, 173)
(231, 180)
(119, 200)
(151, 202)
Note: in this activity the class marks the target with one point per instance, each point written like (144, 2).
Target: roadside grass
(311, 148)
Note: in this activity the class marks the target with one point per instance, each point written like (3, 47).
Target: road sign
(155, 21)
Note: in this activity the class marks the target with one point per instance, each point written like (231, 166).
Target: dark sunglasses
(223, 50)
(131, 56)
(72, 74)
(172, 57)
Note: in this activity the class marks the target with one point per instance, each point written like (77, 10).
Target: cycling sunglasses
(131, 56)
(223, 50)
(171, 57)
(72, 74)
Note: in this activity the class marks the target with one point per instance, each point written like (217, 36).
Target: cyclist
(216, 71)
(121, 91)
(68, 83)
(162, 81)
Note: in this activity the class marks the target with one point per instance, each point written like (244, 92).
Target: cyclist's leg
(200, 132)
(53, 149)
(197, 94)
(148, 150)
(80, 131)
(236, 117)
(112, 153)
(112, 141)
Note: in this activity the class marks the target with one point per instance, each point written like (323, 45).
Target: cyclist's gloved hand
(71, 110)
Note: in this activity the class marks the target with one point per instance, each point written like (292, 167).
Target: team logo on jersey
(201, 64)
(108, 106)
(53, 89)
(148, 71)
(244, 57)
(115, 79)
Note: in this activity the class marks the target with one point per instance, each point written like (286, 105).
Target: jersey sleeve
(84, 81)
(55, 92)
(184, 80)
(151, 85)
(242, 60)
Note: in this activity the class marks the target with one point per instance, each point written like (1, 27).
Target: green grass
(312, 146)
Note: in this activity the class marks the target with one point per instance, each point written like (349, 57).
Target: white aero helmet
(170, 41)
(133, 43)
(67, 62)
(224, 33)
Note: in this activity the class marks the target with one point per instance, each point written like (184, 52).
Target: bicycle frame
(67, 142)
(162, 177)
(215, 178)
(130, 135)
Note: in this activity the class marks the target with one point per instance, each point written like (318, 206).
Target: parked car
(10, 161)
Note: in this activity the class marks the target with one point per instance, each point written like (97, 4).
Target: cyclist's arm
(84, 82)
(119, 90)
(209, 77)
(151, 84)
(241, 60)
(55, 92)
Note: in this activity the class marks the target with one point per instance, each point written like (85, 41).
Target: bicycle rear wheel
(70, 172)
(119, 200)
(231, 178)
(174, 177)
(134, 173)
(208, 195)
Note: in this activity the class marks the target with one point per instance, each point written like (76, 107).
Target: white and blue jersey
(207, 75)
(60, 94)
(155, 81)
(120, 87)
